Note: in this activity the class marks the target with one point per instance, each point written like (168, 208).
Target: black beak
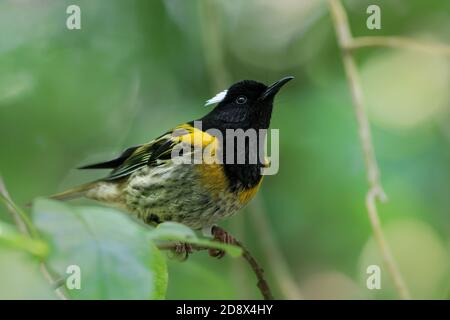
(272, 90)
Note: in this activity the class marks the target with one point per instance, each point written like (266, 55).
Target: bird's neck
(243, 156)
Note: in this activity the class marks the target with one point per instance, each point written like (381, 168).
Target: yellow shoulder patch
(196, 137)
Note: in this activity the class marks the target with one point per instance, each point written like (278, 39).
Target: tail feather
(73, 193)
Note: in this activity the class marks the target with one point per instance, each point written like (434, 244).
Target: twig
(274, 256)
(15, 215)
(25, 227)
(400, 43)
(388, 259)
(373, 175)
(259, 272)
(20, 218)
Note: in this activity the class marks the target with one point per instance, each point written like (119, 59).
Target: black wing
(136, 157)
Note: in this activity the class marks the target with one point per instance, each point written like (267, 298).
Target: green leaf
(172, 231)
(10, 237)
(115, 256)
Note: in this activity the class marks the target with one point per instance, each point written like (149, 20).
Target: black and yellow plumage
(147, 182)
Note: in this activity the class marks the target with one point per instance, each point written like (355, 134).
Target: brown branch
(375, 191)
(259, 272)
(399, 43)
(256, 268)
(24, 229)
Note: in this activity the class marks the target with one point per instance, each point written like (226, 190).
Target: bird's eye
(241, 100)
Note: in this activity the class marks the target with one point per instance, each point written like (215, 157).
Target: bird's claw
(221, 236)
(182, 250)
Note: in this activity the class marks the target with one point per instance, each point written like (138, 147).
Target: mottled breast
(197, 195)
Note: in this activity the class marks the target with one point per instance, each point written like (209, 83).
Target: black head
(246, 104)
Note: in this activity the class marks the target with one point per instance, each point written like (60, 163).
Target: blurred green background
(137, 68)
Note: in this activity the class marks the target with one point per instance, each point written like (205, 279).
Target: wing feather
(139, 158)
(153, 153)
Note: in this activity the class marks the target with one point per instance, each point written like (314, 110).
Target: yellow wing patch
(196, 137)
(204, 144)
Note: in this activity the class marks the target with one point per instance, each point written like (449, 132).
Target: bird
(152, 184)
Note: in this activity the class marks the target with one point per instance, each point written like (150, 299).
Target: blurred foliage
(137, 68)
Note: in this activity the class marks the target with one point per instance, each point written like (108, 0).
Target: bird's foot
(221, 236)
(182, 250)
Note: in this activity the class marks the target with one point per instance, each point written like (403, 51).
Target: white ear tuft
(217, 98)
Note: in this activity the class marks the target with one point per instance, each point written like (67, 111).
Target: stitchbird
(147, 182)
